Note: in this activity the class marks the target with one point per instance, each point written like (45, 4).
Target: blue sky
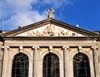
(14, 13)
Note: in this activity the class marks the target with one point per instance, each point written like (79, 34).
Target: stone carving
(13, 50)
(50, 13)
(88, 50)
(52, 31)
(72, 50)
(28, 49)
(57, 49)
(42, 50)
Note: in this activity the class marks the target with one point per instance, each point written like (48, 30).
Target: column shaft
(36, 62)
(1, 56)
(67, 54)
(96, 62)
(5, 62)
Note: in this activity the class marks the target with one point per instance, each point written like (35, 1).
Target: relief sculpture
(51, 31)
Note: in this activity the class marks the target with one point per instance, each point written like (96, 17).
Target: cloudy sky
(14, 13)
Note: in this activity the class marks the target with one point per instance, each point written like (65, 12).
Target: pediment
(50, 30)
(50, 27)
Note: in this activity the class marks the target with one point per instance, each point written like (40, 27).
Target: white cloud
(14, 13)
(22, 19)
(57, 3)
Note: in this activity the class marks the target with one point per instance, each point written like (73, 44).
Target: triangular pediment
(50, 30)
(50, 27)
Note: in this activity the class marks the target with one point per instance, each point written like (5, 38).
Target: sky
(85, 13)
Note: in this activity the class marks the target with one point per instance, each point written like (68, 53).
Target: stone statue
(50, 13)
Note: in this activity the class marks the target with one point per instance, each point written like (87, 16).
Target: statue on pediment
(50, 13)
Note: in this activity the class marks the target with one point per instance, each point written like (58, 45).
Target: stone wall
(37, 49)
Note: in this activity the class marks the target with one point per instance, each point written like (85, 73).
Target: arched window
(81, 65)
(20, 65)
(51, 65)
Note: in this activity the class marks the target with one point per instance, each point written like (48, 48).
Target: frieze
(50, 30)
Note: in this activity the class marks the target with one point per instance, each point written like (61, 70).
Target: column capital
(5, 47)
(50, 48)
(21, 48)
(65, 47)
(80, 48)
(35, 47)
(94, 47)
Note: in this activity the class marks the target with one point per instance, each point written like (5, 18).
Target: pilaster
(96, 64)
(36, 62)
(66, 62)
(5, 61)
(1, 57)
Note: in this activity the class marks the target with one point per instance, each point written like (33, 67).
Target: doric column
(5, 61)
(96, 64)
(36, 61)
(66, 61)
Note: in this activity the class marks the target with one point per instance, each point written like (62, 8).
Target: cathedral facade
(50, 48)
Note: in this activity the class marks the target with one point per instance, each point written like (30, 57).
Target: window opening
(20, 66)
(81, 65)
(51, 65)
